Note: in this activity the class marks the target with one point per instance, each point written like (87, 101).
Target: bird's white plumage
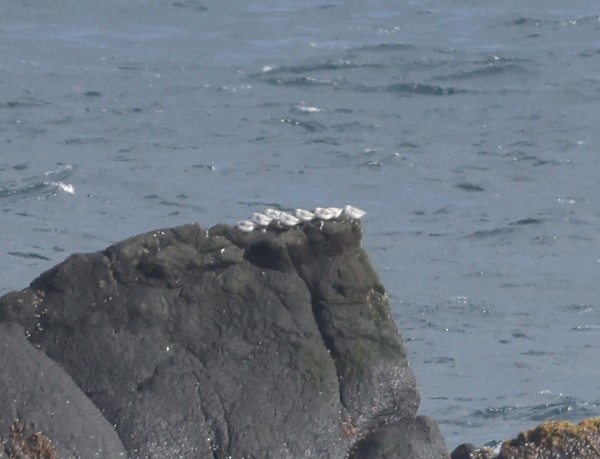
(260, 220)
(245, 226)
(337, 211)
(272, 213)
(304, 215)
(354, 212)
(288, 219)
(324, 213)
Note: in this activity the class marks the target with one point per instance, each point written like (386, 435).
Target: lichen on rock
(549, 440)
(20, 445)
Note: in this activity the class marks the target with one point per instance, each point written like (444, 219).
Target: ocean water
(467, 130)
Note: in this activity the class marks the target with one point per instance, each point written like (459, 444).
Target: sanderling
(260, 220)
(337, 211)
(354, 212)
(288, 219)
(324, 214)
(272, 213)
(304, 215)
(245, 226)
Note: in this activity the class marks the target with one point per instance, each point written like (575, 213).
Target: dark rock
(549, 440)
(470, 451)
(220, 344)
(418, 437)
(37, 395)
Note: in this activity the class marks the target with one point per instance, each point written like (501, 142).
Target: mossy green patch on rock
(314, 362)
(357, 358)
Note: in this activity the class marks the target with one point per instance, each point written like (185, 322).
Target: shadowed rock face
(35, 389)
(218, 343)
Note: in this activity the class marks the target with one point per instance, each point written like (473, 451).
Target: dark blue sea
(468, 130)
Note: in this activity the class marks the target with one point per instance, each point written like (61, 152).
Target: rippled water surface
(467, 130)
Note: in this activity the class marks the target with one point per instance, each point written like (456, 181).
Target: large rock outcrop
(215, 344)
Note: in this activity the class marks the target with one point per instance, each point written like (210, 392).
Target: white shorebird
(304, 215)
(354, 212)
(288, 219)
(337, 211)
(245, 226)
(324, 213)
(260, 220)
(272, 213)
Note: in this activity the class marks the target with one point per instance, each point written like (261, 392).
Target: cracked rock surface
(215, 344)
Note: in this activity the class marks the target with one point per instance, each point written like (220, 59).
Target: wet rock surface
(194, 343)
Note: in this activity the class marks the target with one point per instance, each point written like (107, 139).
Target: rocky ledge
(549, 440)
(187, 343)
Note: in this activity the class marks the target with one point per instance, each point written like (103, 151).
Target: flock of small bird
(282, 219)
